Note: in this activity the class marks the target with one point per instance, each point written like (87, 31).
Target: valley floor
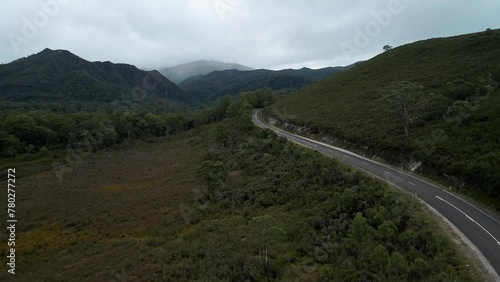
(270, 211)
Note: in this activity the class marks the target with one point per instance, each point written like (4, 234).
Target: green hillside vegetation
(59, 80)
(37, 132)
(208, 88)
(444, 91)
(220, 202)
(32, 134)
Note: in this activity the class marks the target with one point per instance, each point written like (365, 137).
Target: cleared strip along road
(481, 228)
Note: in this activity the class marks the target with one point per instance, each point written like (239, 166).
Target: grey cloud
(259, 33)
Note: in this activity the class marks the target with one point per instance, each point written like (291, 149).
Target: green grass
(110, 211)
(461, 149)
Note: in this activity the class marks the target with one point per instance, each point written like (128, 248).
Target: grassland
(105, 218)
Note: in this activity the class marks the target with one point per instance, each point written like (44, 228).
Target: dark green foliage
(387, 48)
(29, 132)
(286, 213)
(22, 133)
(213, 174)
(266, 236)
(359, 229)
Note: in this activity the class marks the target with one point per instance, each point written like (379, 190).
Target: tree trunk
(406, 121)
(266, 252)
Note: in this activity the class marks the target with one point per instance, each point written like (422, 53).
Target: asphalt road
(479, 226)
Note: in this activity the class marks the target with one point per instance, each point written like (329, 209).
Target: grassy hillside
(220, 203)
(60, 79)
(455, 131)
(210, 87)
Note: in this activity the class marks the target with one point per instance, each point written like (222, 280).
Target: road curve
(480, 227)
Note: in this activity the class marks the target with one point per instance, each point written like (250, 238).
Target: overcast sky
(272, 34)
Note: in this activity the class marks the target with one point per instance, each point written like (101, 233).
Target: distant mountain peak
(56, 52)
(182, 72)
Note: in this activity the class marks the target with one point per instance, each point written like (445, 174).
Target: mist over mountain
(182, 72)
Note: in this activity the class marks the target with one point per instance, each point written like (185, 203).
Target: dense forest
(250, 223)
(24, 134)
(265, 209)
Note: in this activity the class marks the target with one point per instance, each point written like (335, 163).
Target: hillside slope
(58, 76)
(456, 131)
(217, 84)
(182, 72)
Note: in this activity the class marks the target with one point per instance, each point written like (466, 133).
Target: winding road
(478, 225)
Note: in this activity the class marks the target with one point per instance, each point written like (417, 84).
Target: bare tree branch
(410, 99)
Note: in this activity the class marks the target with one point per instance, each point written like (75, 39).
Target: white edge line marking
(470, 218)
(374, 162)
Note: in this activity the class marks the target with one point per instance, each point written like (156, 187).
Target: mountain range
(210, 87)
(63, 81)
(58, 76)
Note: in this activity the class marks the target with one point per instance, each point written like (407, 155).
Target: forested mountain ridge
(210, 87)
(56, 76)
(452, 124)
